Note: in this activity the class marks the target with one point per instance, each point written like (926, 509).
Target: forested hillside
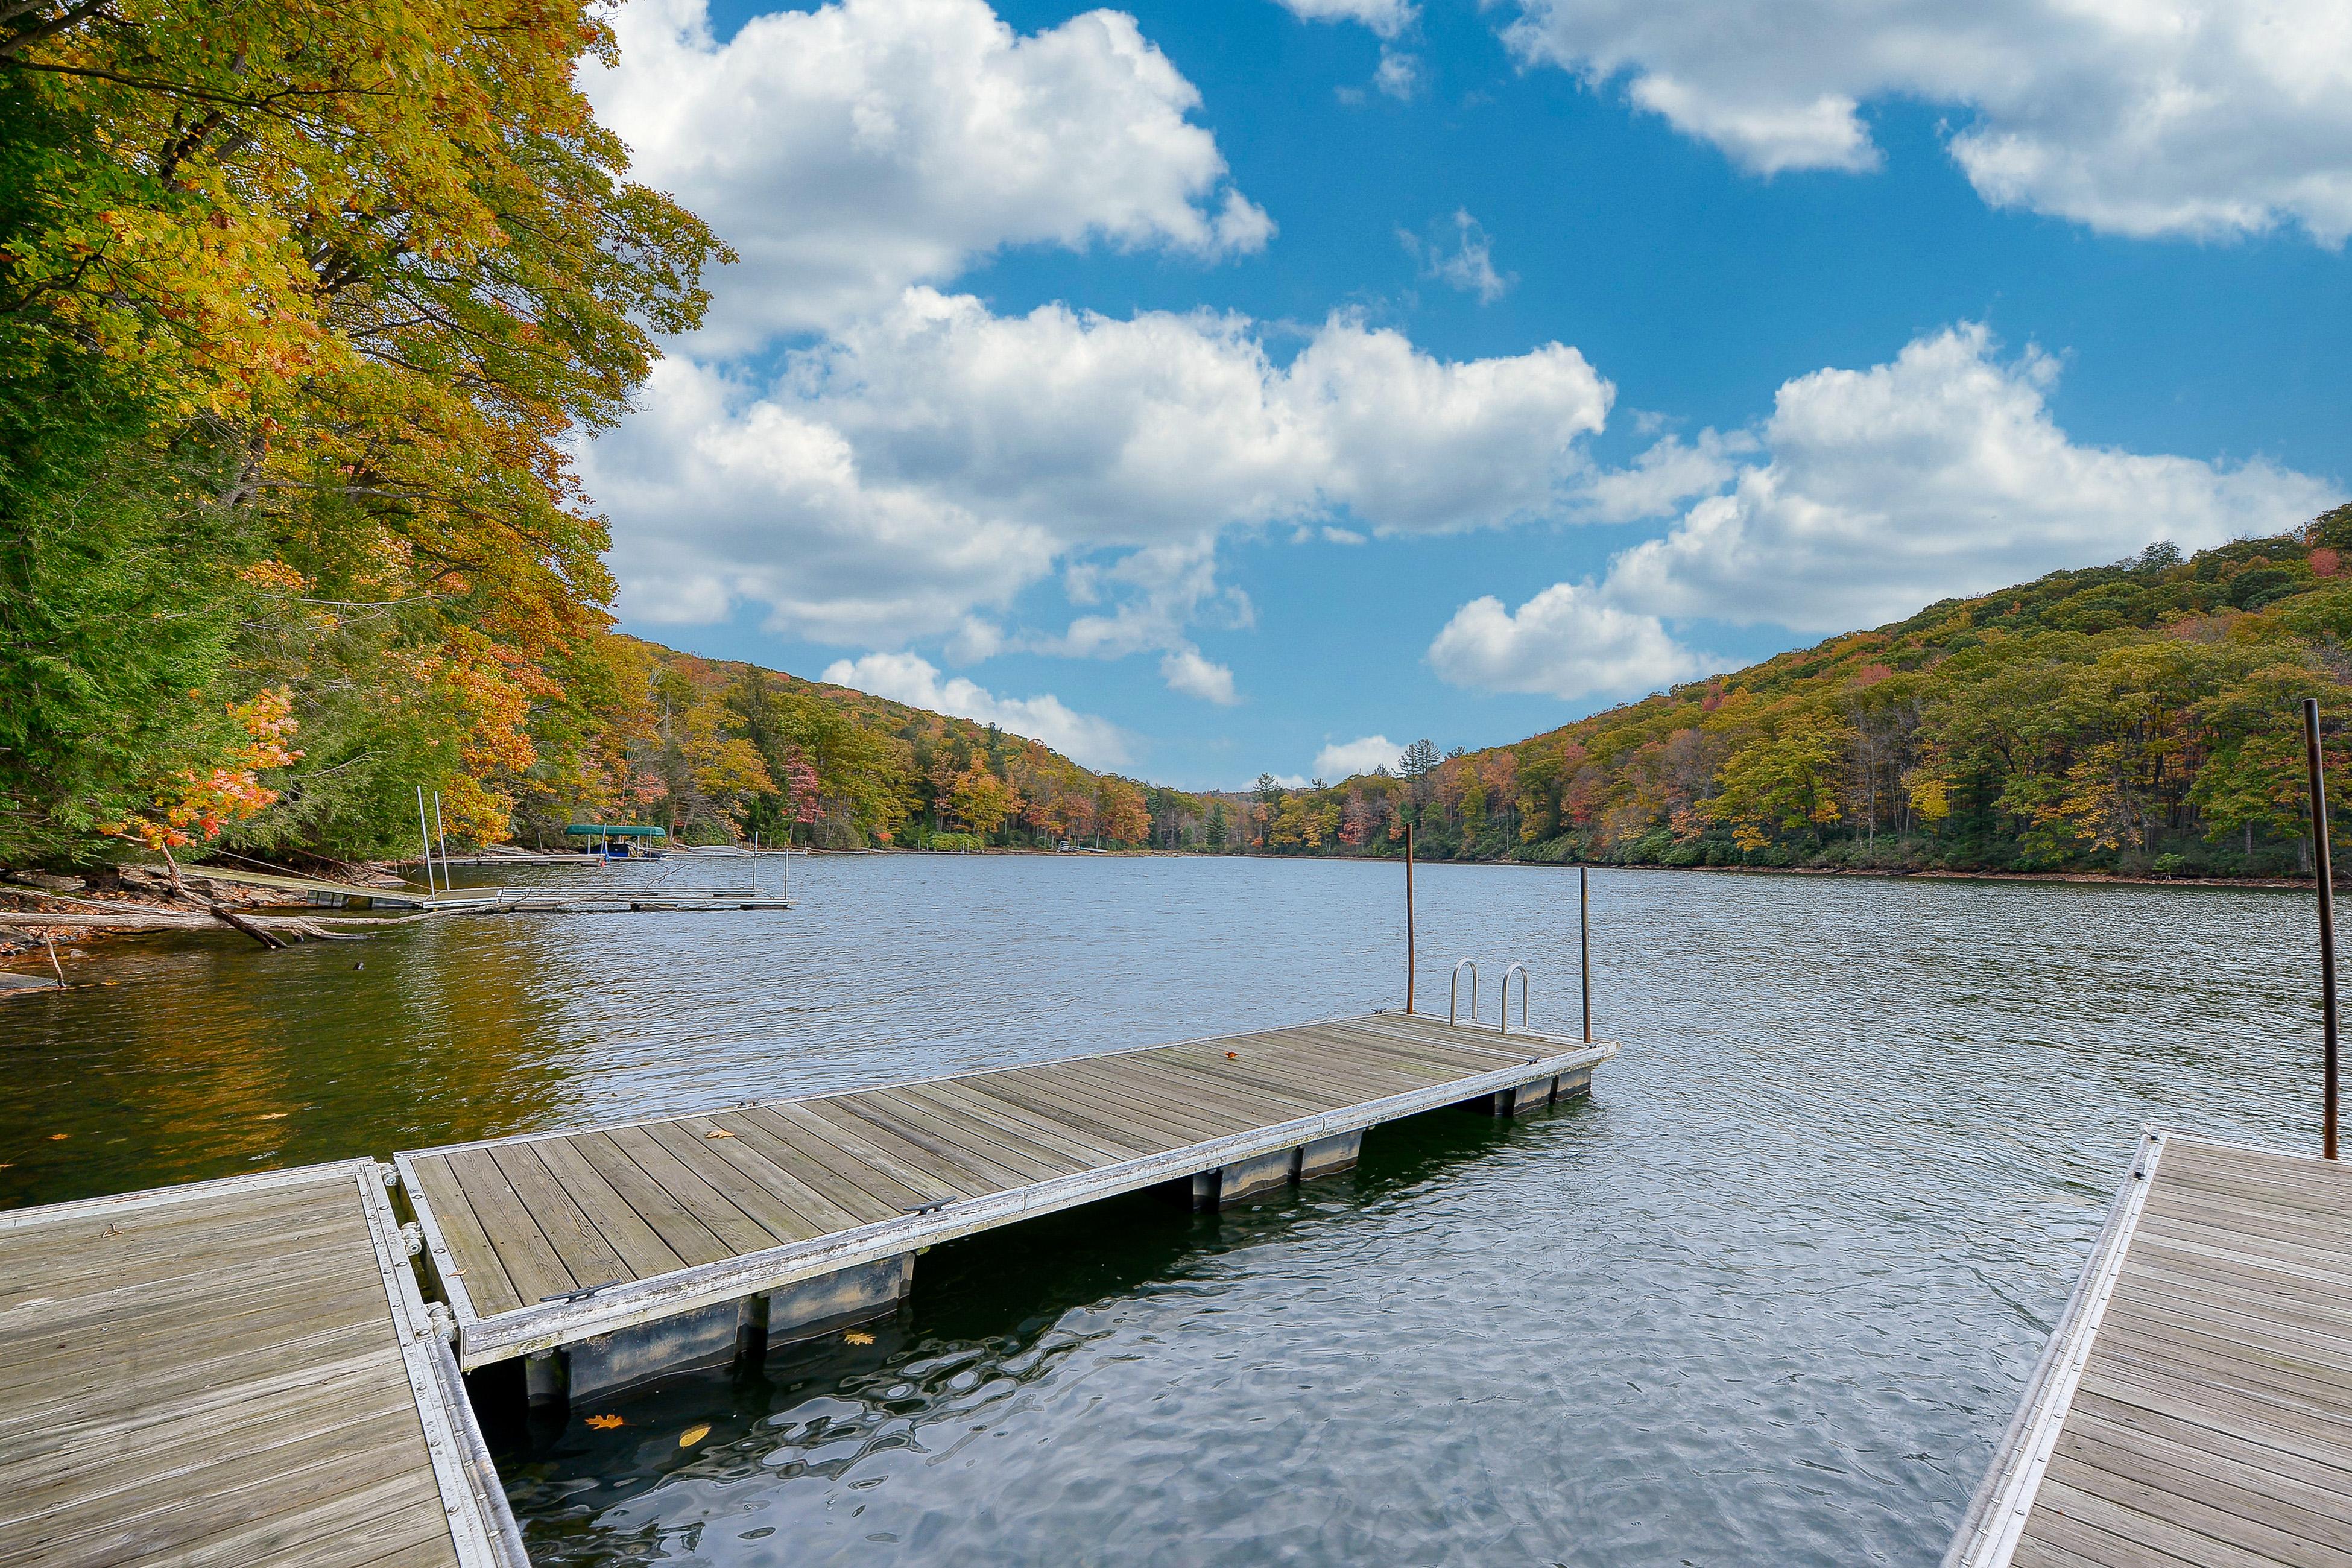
(2137, 718)
(721, 750)
(301, 312)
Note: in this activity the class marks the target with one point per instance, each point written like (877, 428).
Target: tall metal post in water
(445, 884)
(1408, 917)
(2325, 876)
(425, 836)
(1584, 941)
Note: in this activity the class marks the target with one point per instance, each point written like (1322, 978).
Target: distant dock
(2195, 1403)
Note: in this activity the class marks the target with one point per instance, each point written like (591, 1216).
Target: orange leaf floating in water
(273, 1115)
(59, 1136)
(719, 1132)
(691, 1436)
(604, 1423)
(855, 1338)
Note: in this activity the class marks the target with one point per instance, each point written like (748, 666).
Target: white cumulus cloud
(1941, 473)
(927, 463)
(2138, 117)
(1346, 758)
(909, 678)
(1567, 642)
(1385, 17)
(1186, 669)
(1468, 265)
(1865, 495)
(1671, 472)
(851, 150)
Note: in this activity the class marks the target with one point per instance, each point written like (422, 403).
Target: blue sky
(1212, 388)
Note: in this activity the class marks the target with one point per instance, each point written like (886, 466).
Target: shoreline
(1939, 873)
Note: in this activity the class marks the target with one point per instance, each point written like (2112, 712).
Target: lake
(1769, 1296)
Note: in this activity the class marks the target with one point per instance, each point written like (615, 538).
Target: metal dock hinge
(934, 1206)
(443, 1320)
(389, 1173)
(413, 1235)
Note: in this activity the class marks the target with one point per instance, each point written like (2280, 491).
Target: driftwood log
(98, 914)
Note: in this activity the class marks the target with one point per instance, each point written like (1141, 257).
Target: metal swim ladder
(1453, 992)
(1503, 1024)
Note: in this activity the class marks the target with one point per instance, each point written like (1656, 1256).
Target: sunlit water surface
(1768, 1297)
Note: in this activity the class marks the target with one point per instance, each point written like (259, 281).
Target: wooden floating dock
(611, 1254)
(236, 1373)
(244, 1374)
(525, 901)
(2195, 1403)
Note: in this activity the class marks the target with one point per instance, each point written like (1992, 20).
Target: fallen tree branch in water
(100, 915)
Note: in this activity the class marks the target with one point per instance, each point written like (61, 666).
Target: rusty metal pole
(1408, 917)
(2326, 877)
(1584, 941)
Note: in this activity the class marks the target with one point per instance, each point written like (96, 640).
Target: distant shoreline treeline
(2137, 719)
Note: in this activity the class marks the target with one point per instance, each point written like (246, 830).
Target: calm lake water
(1768, 1297)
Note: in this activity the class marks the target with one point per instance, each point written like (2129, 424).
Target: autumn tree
(980, 801)
(310, 302)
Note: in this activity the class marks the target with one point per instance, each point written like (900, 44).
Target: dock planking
(236, 1373)
(549, 1239)
(2195, 1403)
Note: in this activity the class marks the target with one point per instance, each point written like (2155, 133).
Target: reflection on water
(1768, 1297)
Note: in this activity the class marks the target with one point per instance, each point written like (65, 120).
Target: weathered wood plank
(578, 1240)
(2240, 1445)
(642, 1250)
(487, 1281)
(986, 1137)
(523, 1250)
(1077, 1142)
(2316, 1513)
(676, 1226)
(1118, 1088)
(740, 1231)
(691, 1168)
(1103, 1110)
(882, 1189)
(853, 1201)
(779, 1179)
(931, 1183)
(875, 1125)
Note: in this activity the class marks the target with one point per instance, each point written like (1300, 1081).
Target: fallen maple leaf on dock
(719, 1132)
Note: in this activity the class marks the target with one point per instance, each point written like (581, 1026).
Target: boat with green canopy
(621, 840)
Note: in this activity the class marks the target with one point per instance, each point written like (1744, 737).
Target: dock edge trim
(1995, 1522)
(481, 1523)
